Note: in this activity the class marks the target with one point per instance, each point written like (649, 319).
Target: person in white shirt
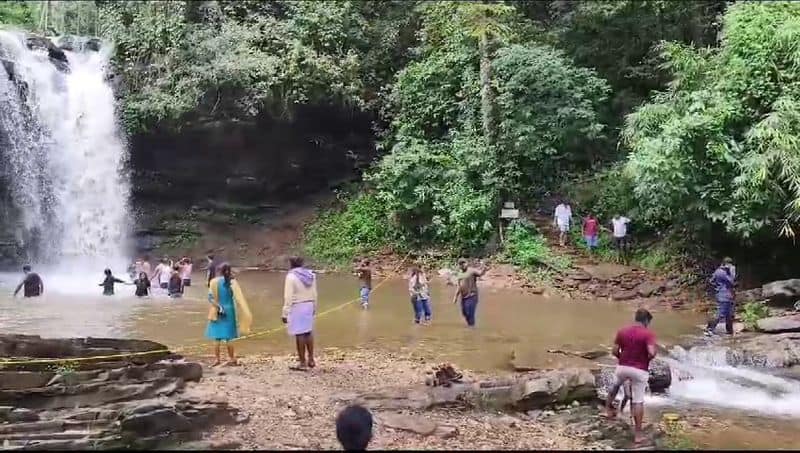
(162, 274)
(562, 219)
(619, 226)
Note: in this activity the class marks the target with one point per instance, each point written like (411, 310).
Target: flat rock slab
(779, 324)
(605, 271)
(413, 423)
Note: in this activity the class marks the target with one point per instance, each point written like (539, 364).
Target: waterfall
(714, 381)
(63, 154)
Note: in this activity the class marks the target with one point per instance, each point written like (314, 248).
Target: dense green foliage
(51, 17)
(753, 311)
(721, 143)
(527, 248)
(340, 235)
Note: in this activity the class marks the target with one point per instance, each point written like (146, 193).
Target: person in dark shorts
(108, 283)
(467, 290)
(34, 287)
(635, 347)
(354, 428)
(363, 271)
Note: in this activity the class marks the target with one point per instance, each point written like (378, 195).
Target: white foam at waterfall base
(725, 386)
(85, 160)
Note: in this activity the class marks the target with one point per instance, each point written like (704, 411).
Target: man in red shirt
(635, 347)
(590, 229)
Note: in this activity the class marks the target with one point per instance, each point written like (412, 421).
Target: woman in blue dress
(229, 315)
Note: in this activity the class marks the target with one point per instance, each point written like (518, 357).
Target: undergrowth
(527, 248)
(753, 311)
(358, 225)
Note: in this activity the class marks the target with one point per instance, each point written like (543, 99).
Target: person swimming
(108, 283)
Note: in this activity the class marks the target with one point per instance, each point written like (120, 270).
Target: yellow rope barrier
(4, 362)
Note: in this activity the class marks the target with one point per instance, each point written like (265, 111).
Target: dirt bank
(297, 410)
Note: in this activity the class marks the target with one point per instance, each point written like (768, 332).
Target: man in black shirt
(32, 283)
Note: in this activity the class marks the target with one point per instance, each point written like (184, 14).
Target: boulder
(623, 295)
(543, 389)
(647, 289)
(159, 421)
(780, 350)
(781, 290)
(751, 295)
(779, 324)
(660, 378)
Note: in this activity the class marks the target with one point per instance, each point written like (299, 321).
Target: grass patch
(357, 225)
(527, 248)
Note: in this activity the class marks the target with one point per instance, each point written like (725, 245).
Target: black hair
(26, 268)
(107, 271)
(643, 316)
(295, 261)
(225, 271)
(354, 428)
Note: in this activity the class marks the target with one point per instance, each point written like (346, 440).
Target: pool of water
(507, 320)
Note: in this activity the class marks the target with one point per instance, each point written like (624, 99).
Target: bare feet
(301, 366)
(610, 413)
(311, 363)
(215, 364)
(232, 363)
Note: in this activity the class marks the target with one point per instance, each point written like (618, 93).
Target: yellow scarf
(244, 318)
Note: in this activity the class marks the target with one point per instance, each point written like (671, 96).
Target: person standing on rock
(722, 280)
(562, 219)
(467, 290)
(635, 347)
(420, 296)
(34, 287)
(619, 228)
(229, 315)
(591, 228)
(363, 271)
(299, 309)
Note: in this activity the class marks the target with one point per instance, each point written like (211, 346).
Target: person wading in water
(108, 283)
(34, 287)
(635, 347)
(229, 315)
(420, 296)
(299, 309)
(364, 273)
(467, 290)
(142, 285)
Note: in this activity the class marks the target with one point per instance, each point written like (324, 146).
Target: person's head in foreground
(643, 317)
(354, 428)
(463, 264)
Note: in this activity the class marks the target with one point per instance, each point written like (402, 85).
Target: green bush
(360, 226)
(752, 312)
(526, 247)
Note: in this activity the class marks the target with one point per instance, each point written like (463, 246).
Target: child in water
(108, 283)
(142, 285)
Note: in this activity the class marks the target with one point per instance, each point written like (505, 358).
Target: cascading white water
(65, 154)
(714, 382)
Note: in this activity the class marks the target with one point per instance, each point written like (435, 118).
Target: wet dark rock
(779, 324)
(158, 421)
(93, 44)
(782, 290)
(660, 376)
(56, 54)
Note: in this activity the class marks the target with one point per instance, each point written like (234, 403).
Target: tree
(720, 146)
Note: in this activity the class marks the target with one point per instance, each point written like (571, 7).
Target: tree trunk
(487, 93)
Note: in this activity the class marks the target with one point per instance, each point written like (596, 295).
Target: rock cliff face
(266, 159)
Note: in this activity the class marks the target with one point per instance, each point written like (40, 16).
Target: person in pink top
(591, 226)
(635, 347)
